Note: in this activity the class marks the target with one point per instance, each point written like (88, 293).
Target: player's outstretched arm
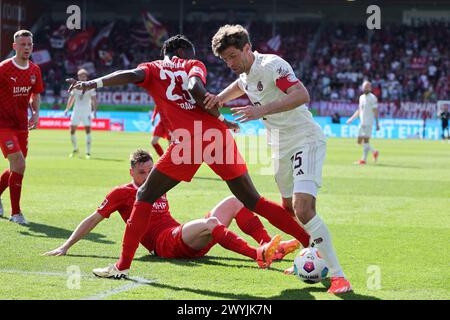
(198, 91)
(353, 117)
(118, 78)
(86, 226)
(296, 96)
(233, 91)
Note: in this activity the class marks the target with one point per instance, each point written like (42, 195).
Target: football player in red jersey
(161, 131)
(167, 238)
(20, 85)
(177, 84)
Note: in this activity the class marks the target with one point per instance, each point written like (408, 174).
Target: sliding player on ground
(177, 84)
(167, 238)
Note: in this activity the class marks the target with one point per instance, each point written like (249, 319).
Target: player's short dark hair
(174, 43)
(140, 156)
(22, 33)
(230, 35)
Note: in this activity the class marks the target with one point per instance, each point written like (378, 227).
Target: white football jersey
(265, 83)
(367, 104)
(82, 104)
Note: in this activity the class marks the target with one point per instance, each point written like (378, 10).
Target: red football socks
(135, 229)
(282, 219)
(250, 224)
(4, 180)
(231, 241)
(15, 188)
(159, 150)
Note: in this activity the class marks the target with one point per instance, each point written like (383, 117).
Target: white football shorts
(365, 131)
(300, 171)
(78, 118)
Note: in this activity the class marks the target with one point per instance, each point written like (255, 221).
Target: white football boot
(111, 271)
(19, 219)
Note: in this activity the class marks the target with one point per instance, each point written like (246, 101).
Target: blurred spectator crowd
(404, 63)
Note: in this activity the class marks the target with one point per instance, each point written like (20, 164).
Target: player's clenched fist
(81, 85)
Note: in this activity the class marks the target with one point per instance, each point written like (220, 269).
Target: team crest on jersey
(33, 79)
(260, 86)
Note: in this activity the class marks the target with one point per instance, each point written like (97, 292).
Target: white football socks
(88, 143)
(73, 138)
(321, 240)
(366, 149)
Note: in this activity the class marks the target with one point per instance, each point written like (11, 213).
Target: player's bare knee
(303, 210)
(234, 203)
(211, 223)
(18, 164)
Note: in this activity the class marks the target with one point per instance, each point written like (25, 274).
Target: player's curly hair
(139, 156)
(230, 35)
(174, 43)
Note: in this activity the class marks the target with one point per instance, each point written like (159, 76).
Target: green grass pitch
(390, 219)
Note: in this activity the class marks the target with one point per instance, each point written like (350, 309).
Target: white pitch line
(137, 282)
(38, 273)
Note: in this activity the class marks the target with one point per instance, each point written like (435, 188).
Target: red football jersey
(17, 83)
(122, 199)
(167, 82)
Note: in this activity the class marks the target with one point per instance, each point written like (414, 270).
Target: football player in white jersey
(297, 142)
(367, 112)
(84, 108)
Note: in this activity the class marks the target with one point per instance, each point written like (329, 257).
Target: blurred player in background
(20, 85)
(445, 117)
(167, 238)
(297, 142)
(367, 112)
(161, 131)
(177, 84)
(84, 109)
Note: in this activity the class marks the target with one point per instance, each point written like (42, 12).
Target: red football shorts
(161, 131)
(170, 245)
(13, 141)
(182, 159)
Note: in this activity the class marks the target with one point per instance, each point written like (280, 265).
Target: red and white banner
(64, 123)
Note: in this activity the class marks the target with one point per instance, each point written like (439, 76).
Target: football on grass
(309, 266)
